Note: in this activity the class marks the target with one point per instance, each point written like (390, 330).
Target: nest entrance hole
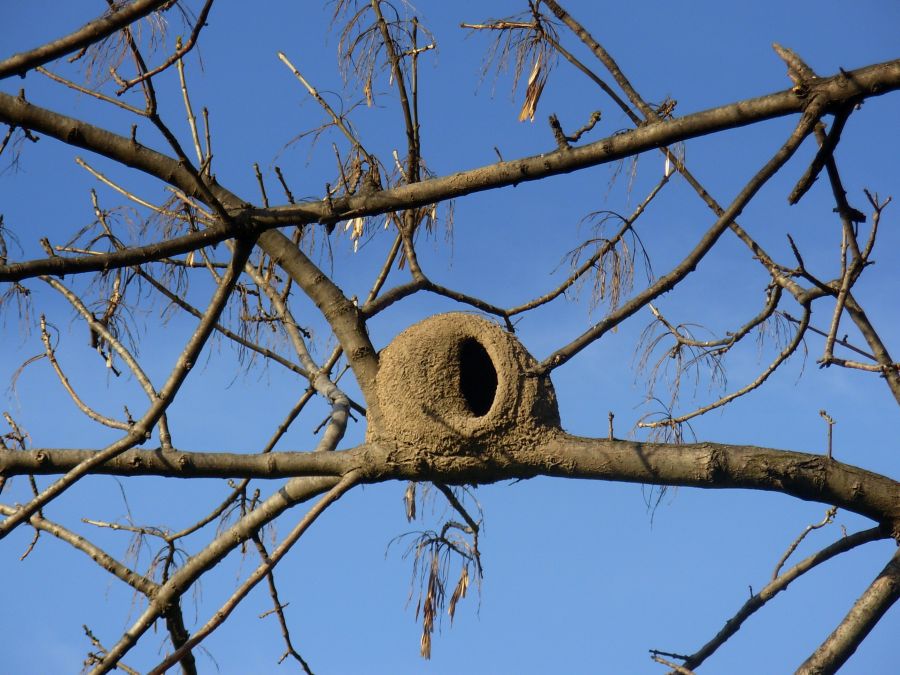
(477, 377)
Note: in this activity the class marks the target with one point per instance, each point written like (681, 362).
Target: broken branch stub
(457, 384)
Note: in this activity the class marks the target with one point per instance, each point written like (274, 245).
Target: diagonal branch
(88, 34)
(778, 584)
(295, 491)
(142, 428)
(783, 356)
(667, 282)
(264, 569)
(137, 581)
(180, 51)
(873, 339)
(604, 57)
(862, 617)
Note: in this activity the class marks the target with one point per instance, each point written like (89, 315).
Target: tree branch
(703, 465)
(860, 620)
(88, 34)
(166, 395)
(775, 587)
(689, 264)
(263, 570)
(293, 492)
(137, 581)
(835, 91)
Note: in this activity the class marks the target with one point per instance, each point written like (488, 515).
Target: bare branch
(778, 584)
(180, 51)
(278, 610)
(686, 266)
(295, 491)
(806, 476)
(862, 617)
(785, 354)
(137, 581)
(141, 428)
(88, 34)
(874, 80)
(829, 517)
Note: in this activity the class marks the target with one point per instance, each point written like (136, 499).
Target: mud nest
(460, 384)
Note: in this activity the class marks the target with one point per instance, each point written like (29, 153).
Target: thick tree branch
(833, 92)
(88, 34)
(865, 613)
(852, 87)
(342, 315)
(179, 464)
(703, 465)
(719, 466)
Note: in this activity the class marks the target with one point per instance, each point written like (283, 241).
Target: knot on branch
(455, 384)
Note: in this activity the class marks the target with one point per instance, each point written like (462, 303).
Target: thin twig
(180, 51)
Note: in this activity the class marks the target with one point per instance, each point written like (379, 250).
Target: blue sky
(580, 576)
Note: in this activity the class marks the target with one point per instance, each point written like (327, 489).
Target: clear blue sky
(580, 577)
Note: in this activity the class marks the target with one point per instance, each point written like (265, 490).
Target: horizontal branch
(703, 465)
(717, 466)
(833, 92)
(851, 86)
(178, 464)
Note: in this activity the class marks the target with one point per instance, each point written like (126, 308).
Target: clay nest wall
(458, 384)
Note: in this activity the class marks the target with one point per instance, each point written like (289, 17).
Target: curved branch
(67, 385)
(783, 356)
